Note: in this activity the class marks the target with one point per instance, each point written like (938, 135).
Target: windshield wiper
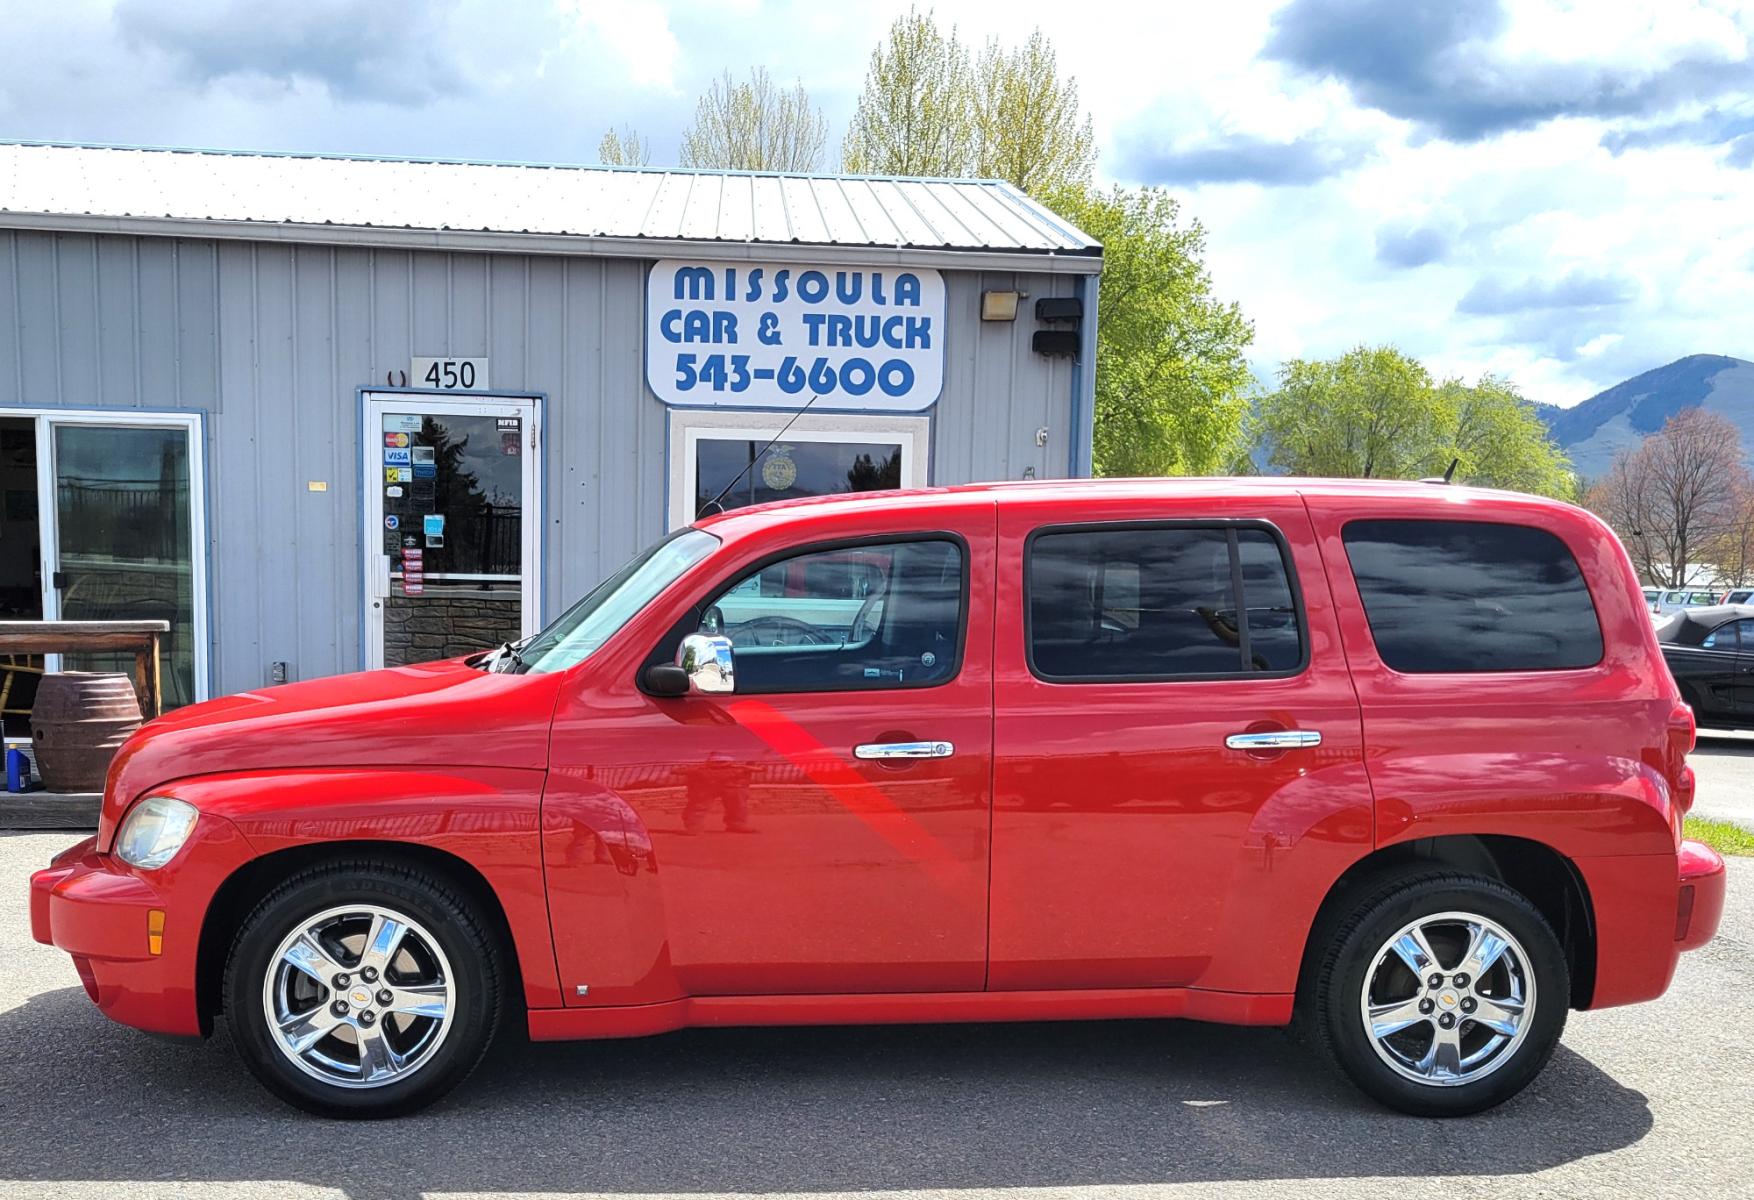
(507, 658)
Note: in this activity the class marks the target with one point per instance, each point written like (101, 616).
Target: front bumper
(101, 911)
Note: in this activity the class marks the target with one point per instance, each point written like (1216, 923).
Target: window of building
(1160, 603)
(851, 617)
(1463, 596)
(721, 461)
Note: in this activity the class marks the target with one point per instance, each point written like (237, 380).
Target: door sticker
(398, 474)
(392, 521)
(398, 457)
(393, 440)
(422, 454)
(394, 492)
(402, 422)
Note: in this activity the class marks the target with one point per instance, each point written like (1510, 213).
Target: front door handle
(1275, 739)
(886, 750)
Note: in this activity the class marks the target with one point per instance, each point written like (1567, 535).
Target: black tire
(441, 912)
(1336, 995)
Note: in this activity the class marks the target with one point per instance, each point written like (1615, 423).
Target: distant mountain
(1593, 432)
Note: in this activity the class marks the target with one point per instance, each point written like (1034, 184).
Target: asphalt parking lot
(1648, 1101)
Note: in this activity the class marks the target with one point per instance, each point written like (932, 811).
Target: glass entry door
(451, 526)
(122, 495)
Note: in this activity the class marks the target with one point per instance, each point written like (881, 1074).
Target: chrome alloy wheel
(1448, 999)
(359, 996)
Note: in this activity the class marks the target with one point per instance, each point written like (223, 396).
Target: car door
(1738, 636)
(1710, 672)
(1178, 772)
(823, 828)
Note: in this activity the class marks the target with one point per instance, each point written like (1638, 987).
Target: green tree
(1498, 440)
(1029, 129)
(1171, 377)
(929, 108)
(625, 148)
(755, 126)
(1375, 413)
(914, 116)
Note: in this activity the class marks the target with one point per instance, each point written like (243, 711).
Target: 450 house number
(449, 374)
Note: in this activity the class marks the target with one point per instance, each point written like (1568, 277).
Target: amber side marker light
(155, 931)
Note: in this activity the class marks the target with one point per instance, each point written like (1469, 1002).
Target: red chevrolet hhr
(1400, 761)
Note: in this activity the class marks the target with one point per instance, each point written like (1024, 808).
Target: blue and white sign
(772, 335)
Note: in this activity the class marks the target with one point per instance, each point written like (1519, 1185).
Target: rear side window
(1159, 603)
(1466, 596)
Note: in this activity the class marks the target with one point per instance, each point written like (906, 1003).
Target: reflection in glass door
(122, 546)
(450, 544)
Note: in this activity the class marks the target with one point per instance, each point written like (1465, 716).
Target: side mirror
(706, 660)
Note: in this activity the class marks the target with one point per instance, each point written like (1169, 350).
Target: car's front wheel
(1442, 995)
(363, 989)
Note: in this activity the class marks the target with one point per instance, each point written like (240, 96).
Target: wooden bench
(142, 638)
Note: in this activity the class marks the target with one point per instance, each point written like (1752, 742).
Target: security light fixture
(998, 306)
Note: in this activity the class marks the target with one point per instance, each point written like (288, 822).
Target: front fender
(488, 818)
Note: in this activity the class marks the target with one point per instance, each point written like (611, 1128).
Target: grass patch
(1722, 836)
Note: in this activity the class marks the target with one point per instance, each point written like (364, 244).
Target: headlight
(155, 829)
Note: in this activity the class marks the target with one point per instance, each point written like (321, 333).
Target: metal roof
(521, 206)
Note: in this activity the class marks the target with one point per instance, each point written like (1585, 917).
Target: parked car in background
(1710, 652)
(1676, 599)
(1738, 596)
(1036, 751)
(1651, 596)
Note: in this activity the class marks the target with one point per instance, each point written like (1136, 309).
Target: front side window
(611, 604)
(1160, 603)
(1731, 635)
(1467, 596)
(855, 617)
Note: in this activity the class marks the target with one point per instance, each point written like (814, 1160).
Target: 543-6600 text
(850, 376)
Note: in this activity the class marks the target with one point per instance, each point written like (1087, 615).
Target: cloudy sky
(1560, 192)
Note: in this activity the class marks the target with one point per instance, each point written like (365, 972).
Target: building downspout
(1083, 439)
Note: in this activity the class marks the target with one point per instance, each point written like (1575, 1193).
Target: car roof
(1073, 491)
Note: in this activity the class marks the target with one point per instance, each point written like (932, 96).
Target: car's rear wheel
(1442, 995)
(363, 989)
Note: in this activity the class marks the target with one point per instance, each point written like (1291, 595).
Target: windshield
(611, 604)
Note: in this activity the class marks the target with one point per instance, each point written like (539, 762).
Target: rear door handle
(904, 750)
(1275, 739)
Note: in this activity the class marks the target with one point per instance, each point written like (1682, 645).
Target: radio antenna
(704, 509)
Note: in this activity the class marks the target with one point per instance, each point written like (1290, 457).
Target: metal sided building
(332, 413)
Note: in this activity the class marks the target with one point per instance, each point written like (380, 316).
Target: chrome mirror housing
(706, 659)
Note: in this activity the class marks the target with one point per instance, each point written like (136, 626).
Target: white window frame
(48, 516)
(689, 426)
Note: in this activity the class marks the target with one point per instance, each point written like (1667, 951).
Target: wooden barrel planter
(79, 721)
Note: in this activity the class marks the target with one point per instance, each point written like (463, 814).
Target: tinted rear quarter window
(1468, 596)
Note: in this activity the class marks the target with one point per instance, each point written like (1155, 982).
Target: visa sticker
(400, 457)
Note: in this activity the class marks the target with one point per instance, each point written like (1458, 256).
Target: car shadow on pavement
(776, 1110)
